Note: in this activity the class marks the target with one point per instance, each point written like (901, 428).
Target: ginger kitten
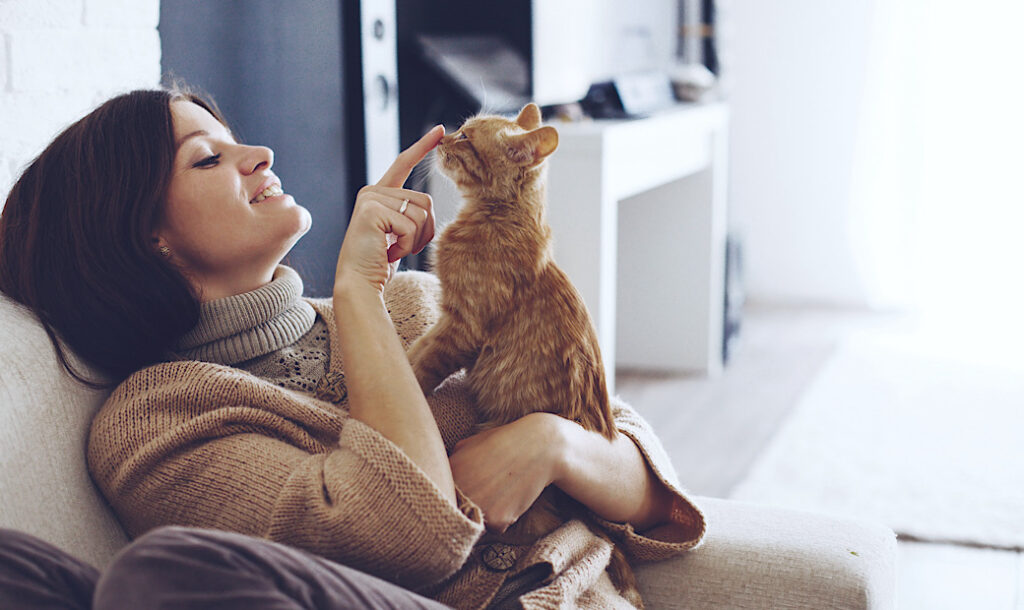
(510, 316)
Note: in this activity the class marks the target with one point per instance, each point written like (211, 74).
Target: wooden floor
(714, 429)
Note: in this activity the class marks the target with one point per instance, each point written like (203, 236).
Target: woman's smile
(274, 190)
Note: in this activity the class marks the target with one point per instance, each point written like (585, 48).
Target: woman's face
(227, 221)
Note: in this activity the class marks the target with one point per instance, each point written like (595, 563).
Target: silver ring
(405, 204)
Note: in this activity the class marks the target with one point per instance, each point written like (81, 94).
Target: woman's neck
(211, 288)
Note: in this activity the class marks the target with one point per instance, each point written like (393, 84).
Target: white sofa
(753, 557)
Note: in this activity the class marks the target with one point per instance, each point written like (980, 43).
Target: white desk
(638, 212)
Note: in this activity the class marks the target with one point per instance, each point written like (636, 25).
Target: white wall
(61, 58)
(797, 77)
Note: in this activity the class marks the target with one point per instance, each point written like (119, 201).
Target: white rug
(930, 446)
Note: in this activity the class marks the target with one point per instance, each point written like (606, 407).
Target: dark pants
(175, 567)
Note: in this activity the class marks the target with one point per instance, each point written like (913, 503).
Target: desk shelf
(638, 211)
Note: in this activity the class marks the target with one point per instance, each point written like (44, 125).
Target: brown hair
(76, 237)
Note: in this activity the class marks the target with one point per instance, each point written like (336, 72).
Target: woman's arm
(382, 391)
(611, 478)
(387, 223)
(504, 469)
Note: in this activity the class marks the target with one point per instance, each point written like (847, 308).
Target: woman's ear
(160, 247)
(534, 146)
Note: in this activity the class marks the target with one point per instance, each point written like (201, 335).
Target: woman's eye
(208, 161)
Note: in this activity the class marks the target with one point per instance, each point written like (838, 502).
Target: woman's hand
(380, 231)
(504, 469)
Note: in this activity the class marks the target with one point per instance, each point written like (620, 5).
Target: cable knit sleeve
(685, 530)
(369, 506)
(174, 446)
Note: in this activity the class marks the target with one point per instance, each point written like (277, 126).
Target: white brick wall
(40, 13)
(61, 58)
(3, 61)
(122, 13)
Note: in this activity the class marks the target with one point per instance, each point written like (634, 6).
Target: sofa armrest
(759, 557)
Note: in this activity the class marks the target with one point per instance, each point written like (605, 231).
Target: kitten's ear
(532, 147)
(529, 117)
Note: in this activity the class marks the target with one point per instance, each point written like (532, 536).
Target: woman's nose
(259, 157)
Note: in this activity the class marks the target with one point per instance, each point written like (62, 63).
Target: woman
(149, 240)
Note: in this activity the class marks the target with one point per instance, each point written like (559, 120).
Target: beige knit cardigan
(206, 445)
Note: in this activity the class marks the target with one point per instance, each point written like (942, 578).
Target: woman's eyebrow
(198, 132)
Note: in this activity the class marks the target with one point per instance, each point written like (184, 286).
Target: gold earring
(164, 251)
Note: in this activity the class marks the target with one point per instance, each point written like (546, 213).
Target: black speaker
(372, 84)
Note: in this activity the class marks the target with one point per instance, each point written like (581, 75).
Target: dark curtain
(278, 72)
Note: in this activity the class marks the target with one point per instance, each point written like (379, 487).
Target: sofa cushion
(762, 557)
(45, 489)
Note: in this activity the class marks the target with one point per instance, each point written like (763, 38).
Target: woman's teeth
(271, 191)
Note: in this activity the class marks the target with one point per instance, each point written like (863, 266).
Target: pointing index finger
(408, 158)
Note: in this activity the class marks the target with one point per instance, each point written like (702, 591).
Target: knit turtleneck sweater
(206, 445)
(271, 332)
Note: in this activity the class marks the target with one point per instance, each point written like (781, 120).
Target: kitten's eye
(208, 161)
(461, 136)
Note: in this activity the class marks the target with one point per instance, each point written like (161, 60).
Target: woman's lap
(189, 568)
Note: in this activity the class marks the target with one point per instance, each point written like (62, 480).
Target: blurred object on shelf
(702, 39)
(629, 96)
(565, 113)
(694, 83)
